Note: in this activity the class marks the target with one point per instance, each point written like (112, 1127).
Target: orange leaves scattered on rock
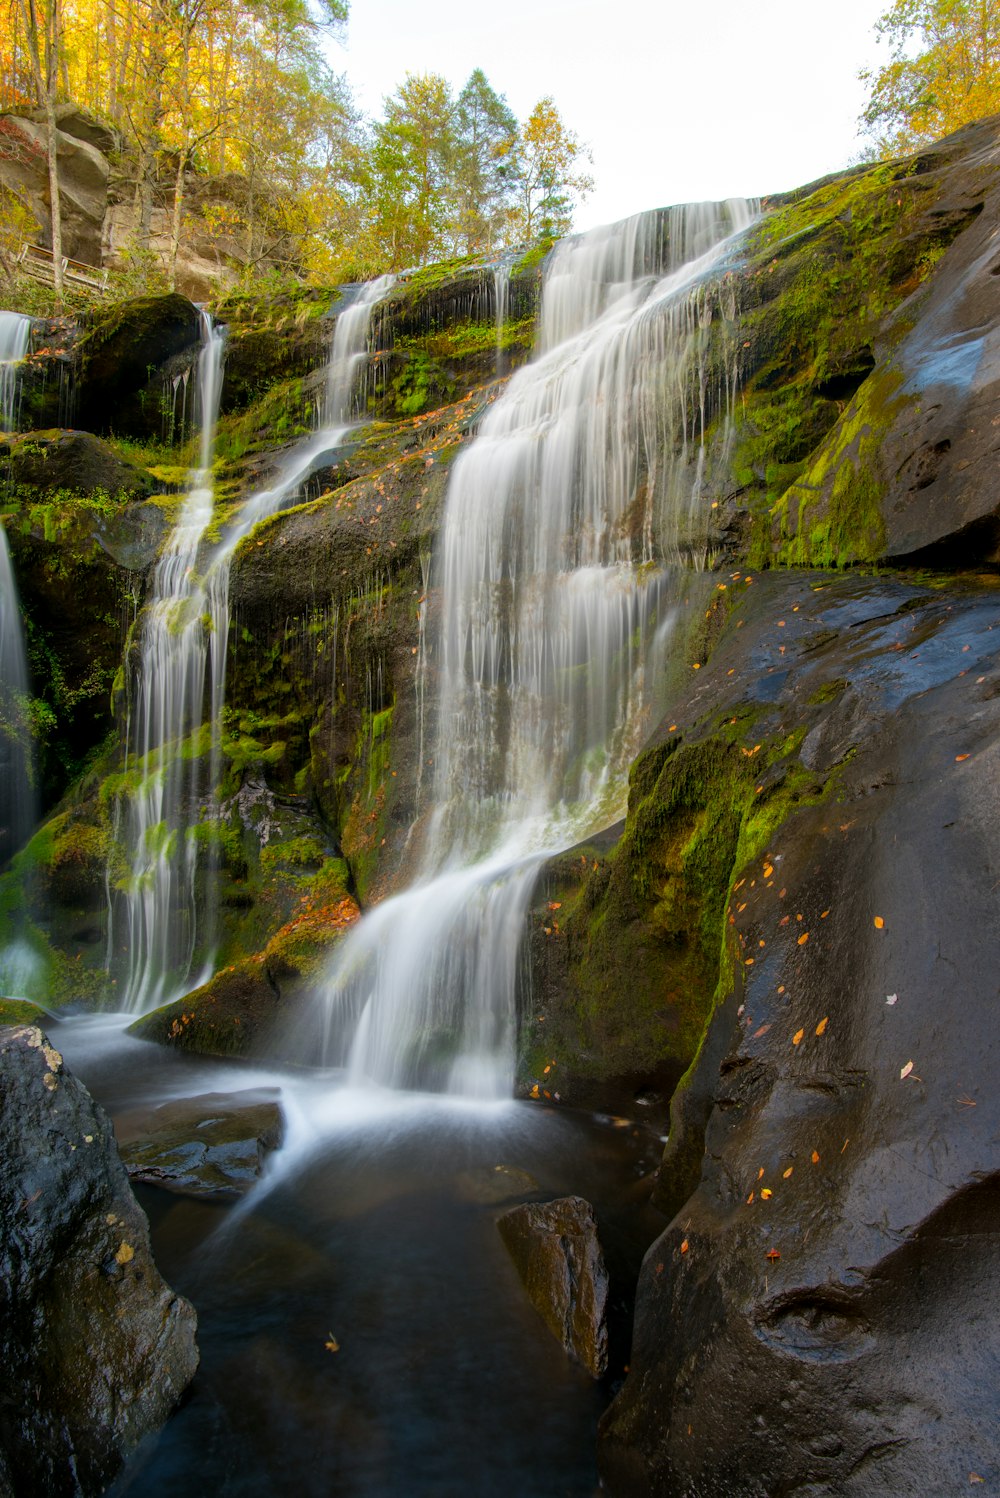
(803, 939)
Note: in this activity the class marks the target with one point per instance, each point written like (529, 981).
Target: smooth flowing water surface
(374, 1229)
(563, 520)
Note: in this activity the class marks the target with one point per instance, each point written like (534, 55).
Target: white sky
(678, 100)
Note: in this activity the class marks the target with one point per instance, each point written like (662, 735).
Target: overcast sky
(678, 100)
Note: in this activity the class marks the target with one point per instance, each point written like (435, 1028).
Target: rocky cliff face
(800, 902)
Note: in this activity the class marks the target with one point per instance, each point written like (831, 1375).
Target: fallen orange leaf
(879, 923)
(684, 1246)
(772, 1254)
(803, 938)
(796, 1038)
(766, 1194)
(822, 1024)
(815, 1157)
(786, 1173)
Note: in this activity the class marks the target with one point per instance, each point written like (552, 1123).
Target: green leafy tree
(943, 72)
(485, 166)
(549, 179)
(411, 164)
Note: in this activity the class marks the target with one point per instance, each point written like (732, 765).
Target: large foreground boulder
(96, 1348)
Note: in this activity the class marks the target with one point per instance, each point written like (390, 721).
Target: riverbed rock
(97, 1348)
(212, 1145)
(821, 1314)
(556, 1251)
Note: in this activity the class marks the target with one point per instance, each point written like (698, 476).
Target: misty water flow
(173, 754)
(18, 799)
(562, 518)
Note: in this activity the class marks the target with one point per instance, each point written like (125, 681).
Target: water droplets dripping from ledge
(585, 479)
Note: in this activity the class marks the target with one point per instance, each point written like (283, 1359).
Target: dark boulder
(213, 1145)
(97, 1349)
(821, 1314)
(555, 1249)
(120, 389)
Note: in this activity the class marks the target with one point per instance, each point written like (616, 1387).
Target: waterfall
(173, 743)
(501, 296)
(584, 481)
(17, 793)
(15, 333)
(166, 788)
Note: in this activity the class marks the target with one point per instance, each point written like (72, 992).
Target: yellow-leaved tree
(943, 72)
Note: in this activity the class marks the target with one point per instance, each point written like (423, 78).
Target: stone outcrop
(212, 1145)
(831, 1160)
(81, 146)
(96, 1348)
(556, 1251)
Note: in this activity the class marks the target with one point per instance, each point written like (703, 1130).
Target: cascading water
(162, 755)
(584, 479)
(17, 794)
(173, 754)
(18, 800)
(15, 335)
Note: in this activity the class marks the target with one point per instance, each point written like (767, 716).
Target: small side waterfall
(163, 752)
(555, 605)
(17, 793)
(173, 755)
(501, 295)
(15, 335)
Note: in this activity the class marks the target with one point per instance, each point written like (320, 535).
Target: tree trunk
(51, 141)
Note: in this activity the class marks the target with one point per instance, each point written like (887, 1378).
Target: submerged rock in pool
(494, 1184)
(96, 1348)
(556, 1252)
(212, 1145)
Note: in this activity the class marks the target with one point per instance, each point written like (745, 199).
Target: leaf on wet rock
(905, 1071)
(879, 923)
(797, 1037)
(821, 1027)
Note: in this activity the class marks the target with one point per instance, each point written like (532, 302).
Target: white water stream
(15, 335)
(585, 478)
(173, 750)
(17, 793)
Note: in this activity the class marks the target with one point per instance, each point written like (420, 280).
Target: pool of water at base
(363, 1333)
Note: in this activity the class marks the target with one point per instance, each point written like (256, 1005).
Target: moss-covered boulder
(118, 389)
(865, 306)
(39, 465)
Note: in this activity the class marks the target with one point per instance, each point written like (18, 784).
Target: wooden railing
(36, 261)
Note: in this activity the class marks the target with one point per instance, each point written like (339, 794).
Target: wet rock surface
(555, 1249)
(798, 1325)
(97, 1348)
(213, 1145)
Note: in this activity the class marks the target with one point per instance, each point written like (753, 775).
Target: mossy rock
(48, 463)
(120, 356)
